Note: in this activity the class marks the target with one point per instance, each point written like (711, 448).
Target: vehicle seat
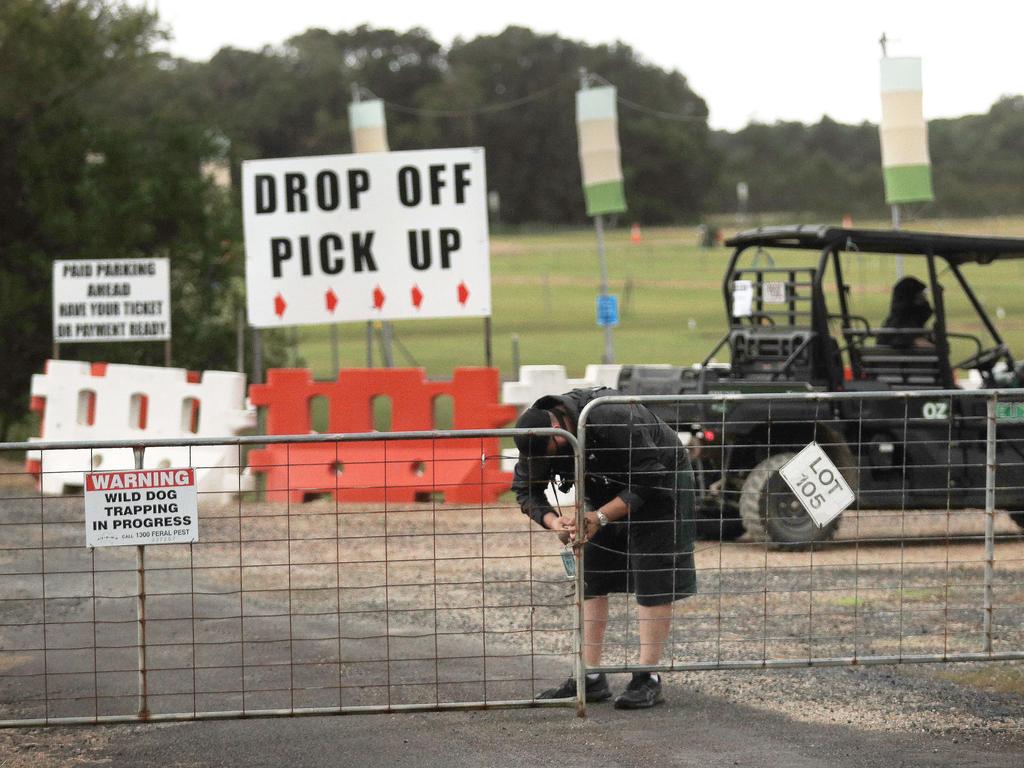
(762, 353)
(914, 367)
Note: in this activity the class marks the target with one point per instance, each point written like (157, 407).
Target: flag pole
(609, 341)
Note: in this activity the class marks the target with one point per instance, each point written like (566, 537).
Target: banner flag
(368, 126)
(906, 166)
(600, 164)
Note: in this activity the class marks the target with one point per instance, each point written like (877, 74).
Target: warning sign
(111, 300)
(142, 506)
(380, 236)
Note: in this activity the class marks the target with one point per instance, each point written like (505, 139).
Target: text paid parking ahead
(328, 190)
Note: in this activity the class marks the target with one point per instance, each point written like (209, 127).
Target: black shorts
(649, 554)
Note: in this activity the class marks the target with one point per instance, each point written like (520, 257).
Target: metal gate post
(581, 671)
(140, 606)
(990, 511)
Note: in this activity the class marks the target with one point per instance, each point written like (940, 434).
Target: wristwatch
(602, 519)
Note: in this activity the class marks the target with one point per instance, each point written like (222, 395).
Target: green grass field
(670, 295)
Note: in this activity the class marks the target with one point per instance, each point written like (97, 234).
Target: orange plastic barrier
(461, 470)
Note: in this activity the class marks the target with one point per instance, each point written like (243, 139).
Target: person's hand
(565, 527)
(591, 525)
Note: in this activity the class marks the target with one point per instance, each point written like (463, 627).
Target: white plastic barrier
(535, 381)
(84, 401)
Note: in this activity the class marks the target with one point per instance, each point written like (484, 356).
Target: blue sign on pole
(607, 309)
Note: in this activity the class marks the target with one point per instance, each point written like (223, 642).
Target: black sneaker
(641, 693)
(597, 690)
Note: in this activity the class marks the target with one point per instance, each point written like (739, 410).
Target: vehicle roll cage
(830, 242)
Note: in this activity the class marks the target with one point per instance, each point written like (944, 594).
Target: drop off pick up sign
(382, 236)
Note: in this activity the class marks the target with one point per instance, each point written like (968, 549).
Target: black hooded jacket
(908, 309)
(631, 453)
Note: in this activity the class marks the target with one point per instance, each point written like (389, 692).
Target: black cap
(533, 445)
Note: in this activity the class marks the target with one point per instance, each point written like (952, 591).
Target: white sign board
(773, 292)
(111, 300)
(742, 298)
(141, 506)
(817, 484)
(381, 236)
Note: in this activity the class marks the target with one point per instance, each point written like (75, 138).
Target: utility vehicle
(793, 327)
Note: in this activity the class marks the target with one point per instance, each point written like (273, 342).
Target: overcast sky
(750, 60)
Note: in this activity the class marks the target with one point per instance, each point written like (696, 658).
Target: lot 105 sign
(817, 484)
(386, 236)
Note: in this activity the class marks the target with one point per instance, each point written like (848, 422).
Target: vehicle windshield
(886, 316)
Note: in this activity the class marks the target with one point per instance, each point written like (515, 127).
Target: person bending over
(638, 533)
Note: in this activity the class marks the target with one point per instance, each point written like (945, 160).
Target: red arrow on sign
(378, 298)
(417, 296)
(280, 305)
(463, 294)
(332, 300)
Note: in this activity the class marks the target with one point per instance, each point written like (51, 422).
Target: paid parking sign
(142, 506)
(111, 300)
(817, 484)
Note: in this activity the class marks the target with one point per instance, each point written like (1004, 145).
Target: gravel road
(869, 718)
(866, 594)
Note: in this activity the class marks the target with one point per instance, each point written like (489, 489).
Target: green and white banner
(597, 126)
(906, 165)
(369, 129)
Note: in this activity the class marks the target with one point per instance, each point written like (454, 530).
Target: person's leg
(665, 570)
(644, 690)
(595, 620)
(605, 570)
(655, 623)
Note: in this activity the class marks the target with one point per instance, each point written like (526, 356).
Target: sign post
(139, 507)
(598, 132)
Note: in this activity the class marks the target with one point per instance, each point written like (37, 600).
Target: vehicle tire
(772, 513)
(719, 522)
(1018, 518)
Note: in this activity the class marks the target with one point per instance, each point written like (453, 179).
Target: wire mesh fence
(387, 578)
(282, 607)
(925, 565)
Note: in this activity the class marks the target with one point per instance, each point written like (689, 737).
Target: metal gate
(923, 567)
(339, 606)
(331, 606)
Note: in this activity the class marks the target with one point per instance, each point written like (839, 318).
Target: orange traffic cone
(634, 233)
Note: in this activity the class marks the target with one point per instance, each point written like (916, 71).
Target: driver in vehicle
(908, 310)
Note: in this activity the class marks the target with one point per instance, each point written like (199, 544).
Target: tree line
(105, 141)
(831, 169)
